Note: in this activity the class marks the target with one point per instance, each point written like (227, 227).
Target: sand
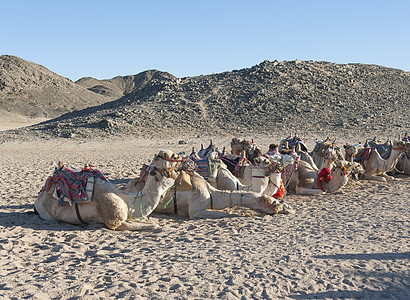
(348, 245)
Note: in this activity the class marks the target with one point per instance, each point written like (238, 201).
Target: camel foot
(374, 177)
(387, 177)
(287, 209)
(306, 191)
(135, 226)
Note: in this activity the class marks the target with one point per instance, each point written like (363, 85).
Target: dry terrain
(349, 245)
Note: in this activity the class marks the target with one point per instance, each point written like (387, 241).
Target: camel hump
(197, 181)
(183, 182)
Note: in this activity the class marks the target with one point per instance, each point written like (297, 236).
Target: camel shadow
(393, 290)
(29, 219)
(367, 256)
(389, 293)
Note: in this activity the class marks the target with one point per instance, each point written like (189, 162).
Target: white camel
(115, 208)
(403, 164)
(196, 202)
(325, 154)
(305, 180)
(255, 174)
(375, 167)
(193, 197)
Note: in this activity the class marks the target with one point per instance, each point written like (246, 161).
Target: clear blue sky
(103, 39)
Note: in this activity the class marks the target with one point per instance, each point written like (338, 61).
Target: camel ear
(165, 156)
(345, 146)
(257, 160)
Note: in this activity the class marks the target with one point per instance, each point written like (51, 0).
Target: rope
(133, 206)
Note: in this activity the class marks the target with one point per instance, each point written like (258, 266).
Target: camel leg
(306, 191)
(386, 176)
(112, 210)
(199, 204)
(374, 177)
(134, 226)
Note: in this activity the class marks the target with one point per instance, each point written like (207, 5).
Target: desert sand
(348, 245)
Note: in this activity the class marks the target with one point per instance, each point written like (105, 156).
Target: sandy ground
(10, 121)
(349, 245)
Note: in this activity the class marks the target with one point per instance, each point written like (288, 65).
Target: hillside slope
(32, 91)
(274, 96)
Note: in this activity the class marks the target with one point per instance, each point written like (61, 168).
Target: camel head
(330, 154)
(167, 160)
(263, 164)
(401, 146)
(351, 150)
(272, 206)
(279, 162)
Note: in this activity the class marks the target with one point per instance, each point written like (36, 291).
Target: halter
(165, 173)
(274, 208)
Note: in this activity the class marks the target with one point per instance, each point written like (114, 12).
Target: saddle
(234, 164)
(75, 187)
(292, 142)
(383, 149)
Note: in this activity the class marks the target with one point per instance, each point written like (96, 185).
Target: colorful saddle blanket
(203, 166)
(72, 184)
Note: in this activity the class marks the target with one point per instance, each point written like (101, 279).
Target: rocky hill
(31, 90)
(270, 97)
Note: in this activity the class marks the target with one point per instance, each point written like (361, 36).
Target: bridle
(264, 202)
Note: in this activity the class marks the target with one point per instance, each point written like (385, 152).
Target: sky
(104, 39)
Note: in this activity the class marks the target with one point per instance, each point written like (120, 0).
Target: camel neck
(143, 203)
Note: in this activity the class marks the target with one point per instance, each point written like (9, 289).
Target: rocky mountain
(31, 90)
(270, 97)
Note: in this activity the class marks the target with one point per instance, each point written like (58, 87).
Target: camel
(111, 206)
(256, 175)
(375, 167)
(280, 164)
(244, 148)
(198, 196)
(356, 169)
(351, 151)
(325, 154)
(403, 164)
(264, 175)
(305, 180)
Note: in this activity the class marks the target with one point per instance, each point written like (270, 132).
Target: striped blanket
(203, 166)
(71, 184)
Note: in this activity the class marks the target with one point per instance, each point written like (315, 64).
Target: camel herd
(201, 185)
